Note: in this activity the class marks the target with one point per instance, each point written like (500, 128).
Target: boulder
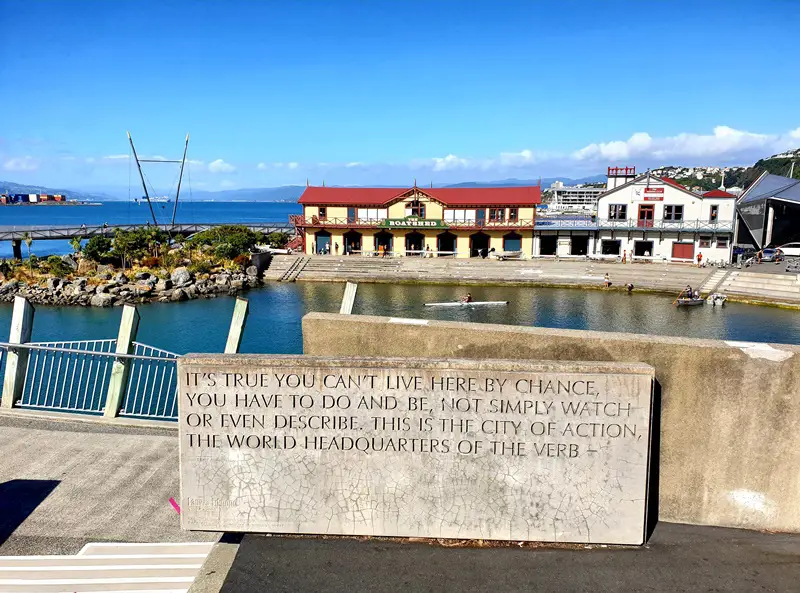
(191, 291)
(162, 285)
(105, 269)
(143, 289)
(69, 262)
(53, 284)
(181, 276)
(252, 271)
(79, 282)
(113, 290)
(9, 286)
(104, 276)
(86, 266)
(178, 295)
(142, 275)
(102, 300)
(237, 284)
(101, 288)
(222, 280)
(120, 278)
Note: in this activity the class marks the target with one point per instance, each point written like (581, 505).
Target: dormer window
(415, 208)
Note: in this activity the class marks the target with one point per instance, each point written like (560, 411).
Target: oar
(677, 297)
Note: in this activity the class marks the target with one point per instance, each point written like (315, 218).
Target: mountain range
(778, 164)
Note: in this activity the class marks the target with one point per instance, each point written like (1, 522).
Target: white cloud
(723, 143)
(451, 161)
(293, 165)
(220, 166)
(22, 163)
(116, 157)
(261, 166)
(354, 164)
(90, 159)
(195, 162)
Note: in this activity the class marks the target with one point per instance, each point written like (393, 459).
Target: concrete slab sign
(415, 447)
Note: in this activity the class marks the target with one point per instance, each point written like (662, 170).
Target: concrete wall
(730, 417)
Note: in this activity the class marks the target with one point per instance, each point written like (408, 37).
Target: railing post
(348, 299)
(17, 361)
(240, 312)
(121, 367)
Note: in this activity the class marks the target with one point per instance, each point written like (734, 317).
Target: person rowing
(466, 298)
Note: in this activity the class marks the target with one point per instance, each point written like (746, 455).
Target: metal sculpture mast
(144, 184)
(180, 178)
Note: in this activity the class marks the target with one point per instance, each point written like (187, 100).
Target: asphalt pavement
(678, 558)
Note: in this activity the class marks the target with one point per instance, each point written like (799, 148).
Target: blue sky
(277, 92)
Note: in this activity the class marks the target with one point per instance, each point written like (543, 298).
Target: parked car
(771, 254)
(790, 249)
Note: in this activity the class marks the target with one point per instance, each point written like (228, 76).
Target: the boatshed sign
(413, 222)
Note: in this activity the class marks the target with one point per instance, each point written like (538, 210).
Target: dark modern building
(769, 212)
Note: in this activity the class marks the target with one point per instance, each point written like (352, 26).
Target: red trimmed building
(434, 222)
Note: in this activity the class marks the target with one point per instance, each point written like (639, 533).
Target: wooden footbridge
(16, 234)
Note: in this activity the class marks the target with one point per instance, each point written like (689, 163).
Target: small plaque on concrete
(504, 450)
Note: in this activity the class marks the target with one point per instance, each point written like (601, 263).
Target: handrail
(34, 346)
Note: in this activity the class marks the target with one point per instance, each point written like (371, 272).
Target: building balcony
(408, 225)
(700, 226)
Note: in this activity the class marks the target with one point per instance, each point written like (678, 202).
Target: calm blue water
(276, 311)
(130, 213)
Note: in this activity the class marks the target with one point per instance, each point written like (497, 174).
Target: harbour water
(189, 211)
(274, 324)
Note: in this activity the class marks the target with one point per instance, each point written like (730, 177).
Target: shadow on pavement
(655, 465)
(18, 499)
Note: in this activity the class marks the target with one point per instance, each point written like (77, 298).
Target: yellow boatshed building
(430, 222)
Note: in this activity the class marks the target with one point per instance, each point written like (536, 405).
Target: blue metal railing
(152, 384)
(69, 376)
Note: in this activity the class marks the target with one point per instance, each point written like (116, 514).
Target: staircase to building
(772, 287)
(161, 567)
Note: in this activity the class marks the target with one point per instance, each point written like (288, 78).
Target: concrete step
(107, 567)
(776, 295)
(105, 549)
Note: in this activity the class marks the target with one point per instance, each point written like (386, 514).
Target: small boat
(689, 302)
(717, 299)
(470, 304)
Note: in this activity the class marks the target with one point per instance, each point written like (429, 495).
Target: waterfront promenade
(765, 283)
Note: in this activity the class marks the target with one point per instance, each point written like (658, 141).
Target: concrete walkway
(65, 483)
(677, 558)
(748, 284)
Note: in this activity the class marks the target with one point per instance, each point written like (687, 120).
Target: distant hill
(777, 164)
(9, 187)
(545, 182)
(285, 193)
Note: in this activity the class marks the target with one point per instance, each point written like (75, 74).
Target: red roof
(718, 193)
(672, 182)
(449, 196)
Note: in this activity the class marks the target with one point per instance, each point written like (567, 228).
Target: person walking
(336, 248)
(699, 260)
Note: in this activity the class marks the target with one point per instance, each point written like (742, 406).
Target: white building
(647, 216)
(575, 197)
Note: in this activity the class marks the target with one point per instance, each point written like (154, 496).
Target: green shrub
(97, 249)
(236, 239)
(57, 267)
(33, 261)
(278, 239)
(226, 251)
(200, 267)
